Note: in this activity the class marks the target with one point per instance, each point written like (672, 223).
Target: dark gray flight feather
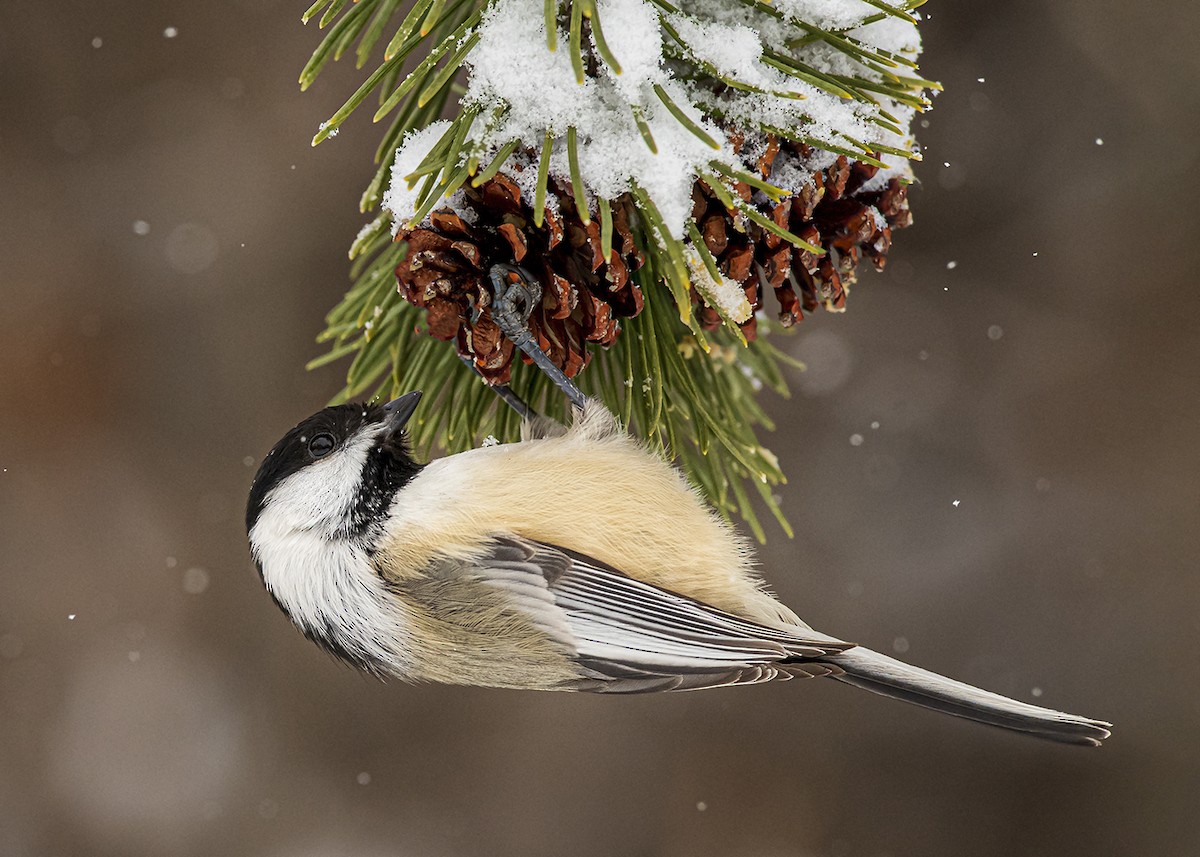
(631, 637)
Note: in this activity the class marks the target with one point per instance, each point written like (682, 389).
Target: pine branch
(782, 202)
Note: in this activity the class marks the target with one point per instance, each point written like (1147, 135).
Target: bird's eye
(321, 445)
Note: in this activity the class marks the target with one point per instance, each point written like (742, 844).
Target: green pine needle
(543, 178)
(374, 31)
(581, 204)
(331, 13)
(455, 150)
(644, 129)
(497, 162)
(684, 119)
(550, 13)
(734, 203)
(448, 70)
(432, 17)
(774, 193)
(408, 26)
(606, 228)
(576, 39)
(593, 15)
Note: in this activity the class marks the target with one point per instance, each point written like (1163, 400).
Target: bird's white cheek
(320, 496)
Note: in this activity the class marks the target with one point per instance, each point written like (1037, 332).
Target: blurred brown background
(994, 460)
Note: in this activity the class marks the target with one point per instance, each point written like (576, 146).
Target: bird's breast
(331, 591)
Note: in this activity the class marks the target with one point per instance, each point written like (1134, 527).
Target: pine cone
(446, 271)
(833, 211)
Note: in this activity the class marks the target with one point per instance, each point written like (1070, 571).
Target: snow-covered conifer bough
(670, 181)
(649, 126)
(478, 569)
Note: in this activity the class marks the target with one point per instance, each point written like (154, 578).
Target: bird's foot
(515, 295)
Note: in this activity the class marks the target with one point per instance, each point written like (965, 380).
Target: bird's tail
(881, 674)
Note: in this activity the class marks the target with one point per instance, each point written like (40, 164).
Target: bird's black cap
(387, 467)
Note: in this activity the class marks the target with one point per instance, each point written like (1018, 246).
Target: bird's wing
(629, 636)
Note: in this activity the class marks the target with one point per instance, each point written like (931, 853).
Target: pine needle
(581, 204)
(593, 15)
(644, 129)
(443, 77)
(550, 13)
(684, 119)
(543, 178)
(408, 26)
(606, 228)
(497, 162)
(576, 39)
(432, 17)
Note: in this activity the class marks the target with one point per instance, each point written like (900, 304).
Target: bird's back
(592, 490)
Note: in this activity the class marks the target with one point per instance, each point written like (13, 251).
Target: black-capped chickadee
(572, 560)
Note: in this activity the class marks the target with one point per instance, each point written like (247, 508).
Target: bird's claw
(515, 295)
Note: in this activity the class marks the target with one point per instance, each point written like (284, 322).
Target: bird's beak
(400, 410)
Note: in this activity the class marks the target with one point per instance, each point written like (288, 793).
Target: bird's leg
(506, 393)
(515, 294)
(524, 410)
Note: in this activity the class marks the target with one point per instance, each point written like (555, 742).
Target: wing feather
(628, 636)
